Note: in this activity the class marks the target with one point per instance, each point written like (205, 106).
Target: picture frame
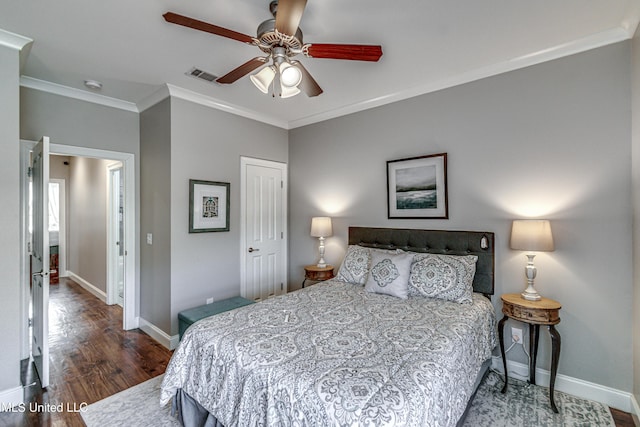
(209, 206)
(417, 187)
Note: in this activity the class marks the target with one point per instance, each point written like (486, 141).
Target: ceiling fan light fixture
(263, 78)
(290, 75)
(288, 92)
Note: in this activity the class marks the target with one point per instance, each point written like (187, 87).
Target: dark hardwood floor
(91, 358)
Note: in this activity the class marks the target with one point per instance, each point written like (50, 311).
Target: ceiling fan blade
(288, 15)
(356, 52)
(185, 21)
(242, 70)
(308, 84)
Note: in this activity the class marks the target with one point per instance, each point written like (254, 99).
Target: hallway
(91, 358)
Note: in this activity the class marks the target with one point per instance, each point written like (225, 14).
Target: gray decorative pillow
(447, 277)
(355, 266)
(389, 274)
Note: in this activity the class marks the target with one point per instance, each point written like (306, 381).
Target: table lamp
(321, 228)
(531, 235)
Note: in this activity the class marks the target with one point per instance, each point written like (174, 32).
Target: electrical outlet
(516, 335)
(209, 300)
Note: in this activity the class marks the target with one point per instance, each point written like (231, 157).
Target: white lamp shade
(288, 92)
(321, 226)
(263, 78)
(532, 235)
(290, 76)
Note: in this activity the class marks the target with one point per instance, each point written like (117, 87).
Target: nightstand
(535, 313)
(317, 274)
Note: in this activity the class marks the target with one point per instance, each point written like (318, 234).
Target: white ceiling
(427, 45)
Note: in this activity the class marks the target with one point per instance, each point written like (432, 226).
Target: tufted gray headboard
(478, 243)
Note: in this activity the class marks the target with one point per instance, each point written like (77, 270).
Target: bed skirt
(190, 413)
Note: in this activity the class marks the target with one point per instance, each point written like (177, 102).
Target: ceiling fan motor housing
(270, 38)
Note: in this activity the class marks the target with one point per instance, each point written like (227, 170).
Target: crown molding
(17, 42)
(153, 99)
(594, 41)
(82, 95)
(625, 31)
(211, 102)
(14, 41)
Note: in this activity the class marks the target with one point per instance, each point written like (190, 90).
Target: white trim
(113, 257)
(71, 92)
(168, 341)
(13, 40)
(99, 293)
(614, 35)
(635, 408)
(11, 397)
(587, 390)
(593, 41)
(62, 234)
(208, 101)
(283, 167)
(25, 254)
(153, 99)
(128, 163)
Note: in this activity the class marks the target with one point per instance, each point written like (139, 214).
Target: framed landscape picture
(417, 187)
(208, 206)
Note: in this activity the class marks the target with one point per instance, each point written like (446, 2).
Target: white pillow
(447, 277)
(389, 274)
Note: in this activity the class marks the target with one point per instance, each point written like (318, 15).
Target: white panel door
(264, 223)
(40, 259)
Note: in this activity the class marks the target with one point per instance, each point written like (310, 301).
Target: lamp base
(531, 297)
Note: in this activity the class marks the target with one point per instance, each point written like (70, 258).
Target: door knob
(253, 250)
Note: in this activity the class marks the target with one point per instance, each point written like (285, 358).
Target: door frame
(244, 163)
(62, 235)
(113, 223)
(131, 303)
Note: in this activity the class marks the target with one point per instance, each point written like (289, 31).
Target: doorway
(115, 234)
(263, 229)
(127, 242)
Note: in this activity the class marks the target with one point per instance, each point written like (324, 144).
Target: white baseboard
(635, 409)
(10, 398)
(170, 342)
(100, 294)
(618, 399)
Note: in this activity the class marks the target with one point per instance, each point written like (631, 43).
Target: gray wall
(549, 141)
(87, 225)
(69, 121)
(206, 144)
(10, 219)
(155, 214)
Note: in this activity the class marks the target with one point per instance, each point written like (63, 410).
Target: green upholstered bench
(187, 318)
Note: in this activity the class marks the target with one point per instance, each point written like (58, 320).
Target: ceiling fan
(281, 39)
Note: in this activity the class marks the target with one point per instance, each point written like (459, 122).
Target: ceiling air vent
(202, 75)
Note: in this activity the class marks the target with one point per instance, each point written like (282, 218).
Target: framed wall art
(208, 206)
(417, 187)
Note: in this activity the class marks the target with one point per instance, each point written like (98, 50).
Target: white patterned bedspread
(334, 354)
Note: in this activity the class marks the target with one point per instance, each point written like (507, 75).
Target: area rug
(523, 405)
(526, 405)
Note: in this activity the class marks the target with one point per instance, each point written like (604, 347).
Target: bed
(343, 352)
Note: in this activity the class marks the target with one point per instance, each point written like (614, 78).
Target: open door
(40, 259)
